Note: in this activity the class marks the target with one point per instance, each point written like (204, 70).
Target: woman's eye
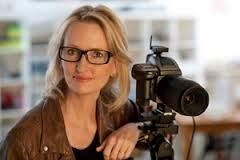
(98, 54)
(72, 52)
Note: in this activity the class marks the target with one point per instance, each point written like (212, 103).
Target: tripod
(161, 149)
(156, 126)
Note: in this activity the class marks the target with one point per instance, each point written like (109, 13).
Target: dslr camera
(161, 91)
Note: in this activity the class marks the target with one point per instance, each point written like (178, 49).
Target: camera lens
(182, 95)
(194, 100)
(189, 99)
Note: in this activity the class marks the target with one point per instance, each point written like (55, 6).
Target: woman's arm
(12, 149)
(121, 142)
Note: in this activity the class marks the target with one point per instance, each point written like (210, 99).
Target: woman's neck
(80, 108)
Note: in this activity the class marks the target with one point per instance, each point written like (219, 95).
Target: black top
(90, 152)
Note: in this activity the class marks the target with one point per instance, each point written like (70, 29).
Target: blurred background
(202, 37)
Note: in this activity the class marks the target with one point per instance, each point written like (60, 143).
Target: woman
(85, 112)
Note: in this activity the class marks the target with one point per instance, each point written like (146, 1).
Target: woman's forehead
(86, 35)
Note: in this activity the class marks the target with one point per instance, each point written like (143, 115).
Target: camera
(160, 90)
(160, 78)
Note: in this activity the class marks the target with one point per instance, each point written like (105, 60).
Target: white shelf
(11, 82)
(12, 113)
(10, 50)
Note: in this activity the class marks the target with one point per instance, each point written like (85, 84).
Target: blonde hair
(116, 91)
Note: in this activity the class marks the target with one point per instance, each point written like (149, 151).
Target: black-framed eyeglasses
(94, 56)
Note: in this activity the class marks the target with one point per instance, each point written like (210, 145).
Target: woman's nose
(82, 62)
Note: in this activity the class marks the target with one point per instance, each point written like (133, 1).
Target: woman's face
(83, 77)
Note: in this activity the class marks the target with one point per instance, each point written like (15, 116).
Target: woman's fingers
(110, 143)
(117, 148)
(124, 149)
(120, 143)
(101, 147)
(128, 151)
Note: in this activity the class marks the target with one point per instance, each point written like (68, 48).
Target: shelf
(11, 34)
(38, 78)
(12, 113)
(5, 50)
(10, 82)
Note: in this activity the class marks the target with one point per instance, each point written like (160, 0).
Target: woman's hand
(120, 143)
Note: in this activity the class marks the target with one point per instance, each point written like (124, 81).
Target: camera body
(160, 78)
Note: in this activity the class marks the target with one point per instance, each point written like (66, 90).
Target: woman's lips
(83, 78)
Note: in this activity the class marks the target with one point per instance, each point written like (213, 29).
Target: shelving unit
(14, 71)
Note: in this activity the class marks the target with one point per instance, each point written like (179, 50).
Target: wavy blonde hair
(116, 91)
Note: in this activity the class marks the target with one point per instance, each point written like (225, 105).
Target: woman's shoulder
(131, 108)
(26, 131)
(29, 122)
(129, 112)
(27, 136)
